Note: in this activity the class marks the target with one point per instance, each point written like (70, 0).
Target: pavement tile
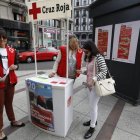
(134, 109)
(45, 136)
(123, 135)
(130, 122)
(29, 132)
(82, 107)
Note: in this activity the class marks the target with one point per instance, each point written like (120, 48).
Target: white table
(50, 104)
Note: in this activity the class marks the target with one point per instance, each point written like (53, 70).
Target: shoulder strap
(96, 67)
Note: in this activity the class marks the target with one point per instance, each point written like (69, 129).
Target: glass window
(77, 3)
(77, 13)
(90, 36)
(77, 21)
(84, 12)
(84, 2)
(91, 27)
(51, 49)
(42, 49)
(84, 19)
(84, 28)
(83, 36)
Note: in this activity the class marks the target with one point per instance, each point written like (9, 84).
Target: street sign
(49, 9)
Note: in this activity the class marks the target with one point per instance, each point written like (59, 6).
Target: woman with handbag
(92, 56)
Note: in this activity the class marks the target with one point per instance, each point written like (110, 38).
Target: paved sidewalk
(117, 120)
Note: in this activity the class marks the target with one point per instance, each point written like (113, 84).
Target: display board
(103, 39)
(125, 41)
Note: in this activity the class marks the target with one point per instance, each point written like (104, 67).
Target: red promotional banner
(102, 43)
(124, 42)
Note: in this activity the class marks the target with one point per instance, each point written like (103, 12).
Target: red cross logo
(34, 11)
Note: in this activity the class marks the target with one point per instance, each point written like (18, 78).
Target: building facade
(13, 14)
(52, 32)
(83, 25)
(13, 19)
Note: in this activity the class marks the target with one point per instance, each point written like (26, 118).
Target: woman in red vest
(8, 80)
(75, 57)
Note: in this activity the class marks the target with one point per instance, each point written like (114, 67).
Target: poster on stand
(103, 39)
(41, 105)
(125, 41)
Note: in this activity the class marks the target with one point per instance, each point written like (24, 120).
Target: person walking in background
(8, 80)
(92, 56)
(75, 57)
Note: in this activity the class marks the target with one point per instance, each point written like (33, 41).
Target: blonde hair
(72, 41)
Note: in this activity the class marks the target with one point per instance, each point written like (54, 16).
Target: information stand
(50, 104)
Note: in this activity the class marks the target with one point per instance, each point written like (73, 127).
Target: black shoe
(89, 133)
(4, 138)
(88, 123)
(17, 124)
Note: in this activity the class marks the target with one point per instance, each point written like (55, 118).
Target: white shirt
(4, 58)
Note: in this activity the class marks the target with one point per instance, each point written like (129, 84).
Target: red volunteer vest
(11, 60)
(61, 71)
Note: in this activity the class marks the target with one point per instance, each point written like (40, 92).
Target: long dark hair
(90, 46)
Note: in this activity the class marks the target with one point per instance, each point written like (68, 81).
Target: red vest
(61, 71)
(11, 60)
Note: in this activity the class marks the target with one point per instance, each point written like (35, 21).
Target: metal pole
(33, 38)
(67, 46)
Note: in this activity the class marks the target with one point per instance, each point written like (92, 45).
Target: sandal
(17, 124)
(2, 135)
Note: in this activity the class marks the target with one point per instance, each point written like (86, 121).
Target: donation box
(50, 104)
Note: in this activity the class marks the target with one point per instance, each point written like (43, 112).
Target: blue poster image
(41, 105)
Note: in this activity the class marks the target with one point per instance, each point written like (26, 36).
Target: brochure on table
(50, 103)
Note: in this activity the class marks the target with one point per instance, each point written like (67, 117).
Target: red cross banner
(49, 9)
